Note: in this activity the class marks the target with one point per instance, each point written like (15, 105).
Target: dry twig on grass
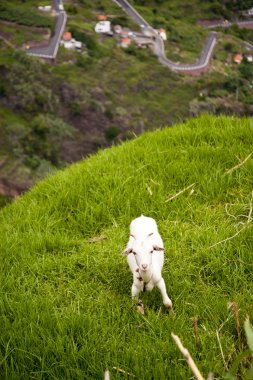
(234, 307)
(238, 165)
(245, 225)
(95, 239)
(229, 238)
(187, 357)
(195, 328)
(180, 192)
(123, 371)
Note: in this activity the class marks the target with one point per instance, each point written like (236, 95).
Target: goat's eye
(134, 252)
(151, 251)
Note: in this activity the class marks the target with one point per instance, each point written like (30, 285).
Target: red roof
(126, 41)
(67, 36)
(101, 17)
(237, 58)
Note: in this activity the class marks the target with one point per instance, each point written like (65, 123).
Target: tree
(246, 70)
(45, 137)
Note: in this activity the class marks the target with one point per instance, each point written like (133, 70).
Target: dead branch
(234, 307)
(95, 239)
(226, 209)
(122, 371)
(249, 220)
(250, 209)
(179, 193)
(229, 238)
(195, 328)
(238, 165)
(187, 357)
(149, 190)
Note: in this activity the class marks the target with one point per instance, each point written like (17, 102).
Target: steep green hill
(65, 305)
(53, 115)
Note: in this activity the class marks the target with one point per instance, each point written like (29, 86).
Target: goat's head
(142, 251)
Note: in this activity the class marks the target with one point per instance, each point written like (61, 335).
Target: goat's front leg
(162, 287)
(136, 289)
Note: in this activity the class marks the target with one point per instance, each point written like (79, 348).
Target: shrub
(89, 41)
(120, 20)
(112, 132)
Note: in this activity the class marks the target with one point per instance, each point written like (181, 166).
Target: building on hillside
(248, 57)
(61, 7)
(162, 33)
(248, 12)
(45, 8)
(125, 42)
(78, 45)
(237, 58)
(103, 27)
(67, 36)
(101, 17)
(70, 43)
(117, 29)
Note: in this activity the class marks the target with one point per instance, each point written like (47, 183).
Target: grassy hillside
(65, 307)
(107, 94)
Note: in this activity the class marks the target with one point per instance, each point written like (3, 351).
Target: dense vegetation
(224, 8)
(65, 306)
(53, 115)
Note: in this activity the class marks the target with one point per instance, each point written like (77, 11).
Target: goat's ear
(127, 251)
(157, 248)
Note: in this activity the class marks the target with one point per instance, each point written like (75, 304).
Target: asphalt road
(135, 16)
(50, 51)
(227, 24)
(158, 44)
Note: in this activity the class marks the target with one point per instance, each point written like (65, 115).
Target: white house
(70, 43)
(45, 8)
(161, 33)
(250, 12)
(103, 27)
(248, 57)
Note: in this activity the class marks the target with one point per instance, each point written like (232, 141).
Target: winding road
(158, 45)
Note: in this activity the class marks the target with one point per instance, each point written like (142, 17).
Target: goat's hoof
(140, 308)
(169, 306)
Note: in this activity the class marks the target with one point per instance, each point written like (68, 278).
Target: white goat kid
(145, 257)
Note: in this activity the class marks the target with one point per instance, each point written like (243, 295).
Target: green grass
(23, 34)
(65, 305)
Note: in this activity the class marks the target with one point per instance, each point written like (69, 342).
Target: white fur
(145, 257)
